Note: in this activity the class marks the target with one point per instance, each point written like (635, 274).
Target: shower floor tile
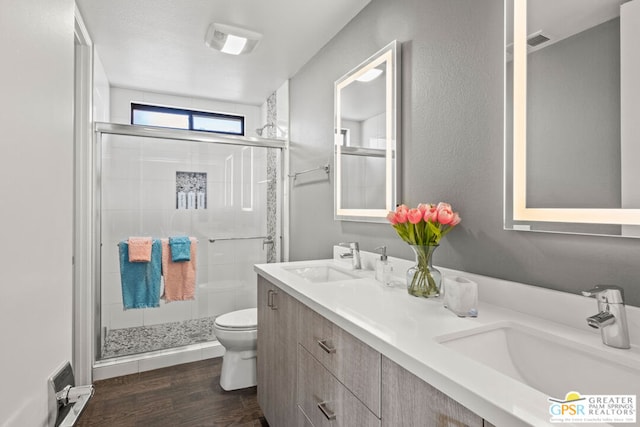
(142, 339)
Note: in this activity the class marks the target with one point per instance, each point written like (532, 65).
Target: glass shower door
(224, 196)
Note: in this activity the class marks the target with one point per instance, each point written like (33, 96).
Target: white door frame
(83, 248)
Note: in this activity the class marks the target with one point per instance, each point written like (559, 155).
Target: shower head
(260, 130)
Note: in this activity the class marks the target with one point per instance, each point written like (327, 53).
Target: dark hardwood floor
(183, 395)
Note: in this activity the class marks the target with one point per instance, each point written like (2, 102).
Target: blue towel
(180, 248)
(141, 280)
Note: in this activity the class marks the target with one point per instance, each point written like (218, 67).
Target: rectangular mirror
(571, 106)
(366, 138)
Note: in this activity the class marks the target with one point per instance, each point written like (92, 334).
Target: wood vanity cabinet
(277, 359)
(313, 373)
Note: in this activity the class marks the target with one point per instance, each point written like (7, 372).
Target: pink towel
(179, 277)
(140, 249)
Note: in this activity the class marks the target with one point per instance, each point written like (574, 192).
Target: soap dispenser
(383, 267)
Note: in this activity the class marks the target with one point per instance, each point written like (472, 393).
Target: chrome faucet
(354, 254)
(612, 317)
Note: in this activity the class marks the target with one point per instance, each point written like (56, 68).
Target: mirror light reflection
(366, 137)
(570, 143)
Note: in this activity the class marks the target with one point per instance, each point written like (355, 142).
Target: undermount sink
(547, 362)
(321, 274)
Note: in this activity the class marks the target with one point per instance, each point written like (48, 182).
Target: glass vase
(423, 280)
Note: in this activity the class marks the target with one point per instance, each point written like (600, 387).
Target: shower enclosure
(224, 191)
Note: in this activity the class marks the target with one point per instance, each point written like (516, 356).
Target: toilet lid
(241, 319)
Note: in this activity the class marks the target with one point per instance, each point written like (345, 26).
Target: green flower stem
(423, 283)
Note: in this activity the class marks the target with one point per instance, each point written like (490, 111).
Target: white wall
(282, 110)
(101, 91)
(281, 114)
(36, 169)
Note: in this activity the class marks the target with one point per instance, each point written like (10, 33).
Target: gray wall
(452, 136)
(573, 121)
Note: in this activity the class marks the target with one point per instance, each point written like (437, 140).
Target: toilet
(238, 333)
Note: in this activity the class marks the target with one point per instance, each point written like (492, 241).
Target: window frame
(136, 106)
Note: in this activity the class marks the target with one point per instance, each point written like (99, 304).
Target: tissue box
(461, 296)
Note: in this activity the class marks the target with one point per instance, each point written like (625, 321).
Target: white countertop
(404, 329)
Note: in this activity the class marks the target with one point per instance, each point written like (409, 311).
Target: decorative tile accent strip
(272, 176)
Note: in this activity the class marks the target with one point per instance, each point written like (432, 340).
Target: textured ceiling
(158, 45)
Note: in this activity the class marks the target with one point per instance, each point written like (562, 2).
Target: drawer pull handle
(270, 299)
(323, 345)
(329, 414)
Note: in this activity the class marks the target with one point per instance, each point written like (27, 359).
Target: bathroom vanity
(336, 347)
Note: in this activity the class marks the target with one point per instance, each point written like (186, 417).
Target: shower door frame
(104, 128)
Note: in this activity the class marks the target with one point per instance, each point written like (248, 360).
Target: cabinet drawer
(351, 361)
(411, 402)
(324, 400)
(303, 421)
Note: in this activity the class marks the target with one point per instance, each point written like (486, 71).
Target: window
(177, 118)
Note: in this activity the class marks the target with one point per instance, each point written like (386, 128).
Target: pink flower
(425, 224)
(391, 217)
(456, 219)
(443, 205)
(414, 216)
(431, 214)
(445, 215)
(401, 217)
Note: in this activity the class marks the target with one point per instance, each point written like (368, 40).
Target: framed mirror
(572, 98)
(366, 138)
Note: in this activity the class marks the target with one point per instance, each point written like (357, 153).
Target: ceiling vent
(537, 39)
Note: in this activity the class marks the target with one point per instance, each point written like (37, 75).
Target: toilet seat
(240, 320)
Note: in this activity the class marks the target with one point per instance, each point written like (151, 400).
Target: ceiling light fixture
(230, 39)
(369, 75)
